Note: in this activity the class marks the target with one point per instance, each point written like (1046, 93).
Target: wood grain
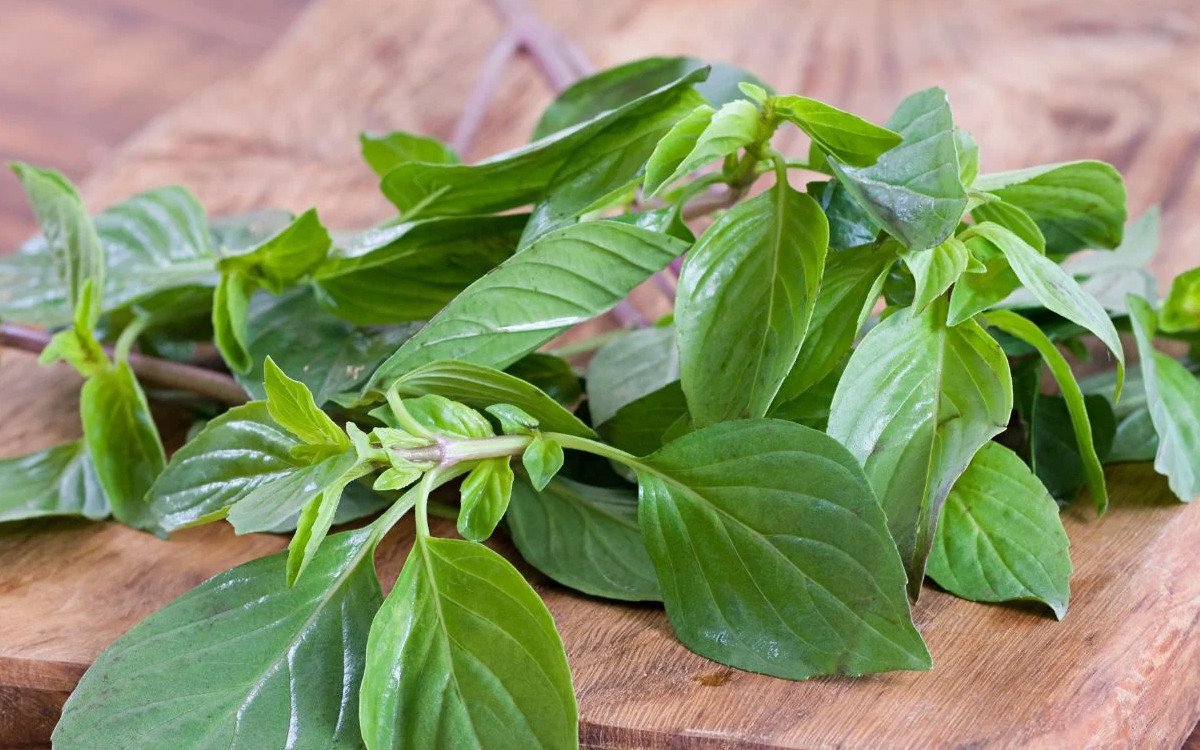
(1035, 82)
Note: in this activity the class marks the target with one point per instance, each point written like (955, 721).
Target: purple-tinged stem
(482, 94)
(159, 372)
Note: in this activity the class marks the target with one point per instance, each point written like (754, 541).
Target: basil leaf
(934, 270)
(542, 459)
(442, 416)
(1055, 289)
(1112, 277)
(285, 258)
(231, 308)
(849, 289)
(513, 178)
(234, 454)
(631, 366)
(1181, 310)
(30, 291)
(74, 246)
(479, 387)
(1023, 329)
(123, 442)
(1055, 455)
(918, 399)
(1134, 438)
(513, 419)
(1012, 218)
(1173, 397)
(734, 126)
(270, 503)
(58, 481)
(612, 88)
(485, 492)
(752, 527)
(239, 232)
(291, 405)
(1077, 205)
(913, 191)
(232, 658)
(640, 426)
(535, 295)
(327, 354)
(1000, 537)
(811, 408)
(675, 146)
(464, 613)
(606, 167)
(977, 291)
(383, 153)
(550, 374)
(583, 537)
(734, 356)
(410, 271)
(315, 521)
(968, 156)
(849, 225)
(846, 137)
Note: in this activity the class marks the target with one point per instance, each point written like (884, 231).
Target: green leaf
(918, 399)
(1000, 538)
(629, 367)
(550, 374)
(542, 459)
(231, 308)
(75, 248)
(409, 271)
(123, 442)
(849, 225)
(315, 521)
(1173, 397)
(76, 347)
(977, 291)
(463, 613)
(1055, 289)
(1056, 457)
(1112, 277)
(1181, 310)
(849, 289)
(935, 270)
(773, 555)
(485, 493)
(442, 416)
(514, 178)
(811, 408)
(383, 153)
(566, 277)
(583, 537)
(640, 426)
(226, 664)
(327, 354)
(968, 156)
(1079, 204)
(1014, 219)
(513, 420)
(734, 126)
(846, 137)
(479, 387)
(675, 146)
(58, 481)
(617, 86)
(745, 298)
(285, 258)
(291, 405)
(914, 191)
(234, 454)
(239, 232)
(1023, 329)
(607, 167)
(270, 503)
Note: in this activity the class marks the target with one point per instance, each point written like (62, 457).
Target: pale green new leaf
(744, 302)
(463, 655)
(1077, 205)
(1181, 310)
(542, 459)
(675, 146)
(122, 441)
(58, 481)
(1173, 397)
(773, 554)
(315, 521)
(583, 537)
(734, 126)
(286, 257)
(935, 269)
(914, 190)
(273, 502)
(918, 399)
(629, 367)
(291, 405)
(1000, 537)
(846, 137)
(238, 663)
(566, 277)
(231, 308)
(1015, 325)
(484, 498)
(383, 153)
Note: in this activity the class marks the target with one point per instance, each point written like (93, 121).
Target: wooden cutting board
(1035, 82)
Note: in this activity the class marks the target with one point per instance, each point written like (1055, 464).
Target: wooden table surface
(1035, 82)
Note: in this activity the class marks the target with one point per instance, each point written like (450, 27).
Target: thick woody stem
(151, 370)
